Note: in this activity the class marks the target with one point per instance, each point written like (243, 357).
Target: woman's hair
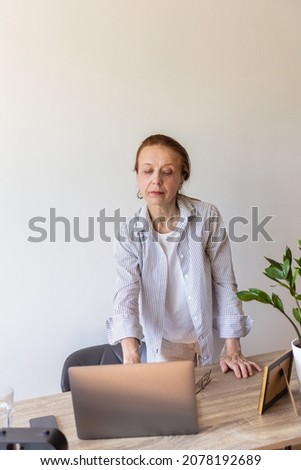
(169, 142)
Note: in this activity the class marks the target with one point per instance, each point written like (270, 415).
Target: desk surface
(228, 417)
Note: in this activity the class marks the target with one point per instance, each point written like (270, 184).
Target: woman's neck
(164, 218)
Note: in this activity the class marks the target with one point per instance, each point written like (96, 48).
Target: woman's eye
(167, 173)
(147, 172)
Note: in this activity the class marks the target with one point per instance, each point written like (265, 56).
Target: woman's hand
(130, 350)
(233, 359)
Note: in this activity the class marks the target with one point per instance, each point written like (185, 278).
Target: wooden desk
(228, 417)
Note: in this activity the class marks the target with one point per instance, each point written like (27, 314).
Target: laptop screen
(130, 400)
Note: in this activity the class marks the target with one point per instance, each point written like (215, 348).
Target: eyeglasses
(203, 382)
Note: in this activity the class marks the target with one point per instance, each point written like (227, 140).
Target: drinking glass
(6, 406)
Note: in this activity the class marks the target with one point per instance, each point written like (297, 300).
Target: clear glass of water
(6, 406)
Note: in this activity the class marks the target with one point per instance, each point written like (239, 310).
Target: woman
(176, 288)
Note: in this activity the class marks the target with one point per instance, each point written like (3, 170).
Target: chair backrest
(94, 355)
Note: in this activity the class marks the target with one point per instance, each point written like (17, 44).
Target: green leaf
(246, 295)
(298, 261)
(274, 273)
(277, 302)
(274, 263)
(297, 314)
(286, 268)
(287, 271)
(298, 297)
(293, 281)
(255, 294)
(255, 290)
(264, 298)
(288, 255)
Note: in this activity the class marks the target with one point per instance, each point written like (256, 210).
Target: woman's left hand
(233, 359)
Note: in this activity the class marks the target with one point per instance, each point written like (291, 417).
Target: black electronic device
(32, 439)
(48, 421)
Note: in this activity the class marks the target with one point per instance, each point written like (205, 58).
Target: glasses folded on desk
(203, 382)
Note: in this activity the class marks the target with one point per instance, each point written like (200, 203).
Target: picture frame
(275, 381)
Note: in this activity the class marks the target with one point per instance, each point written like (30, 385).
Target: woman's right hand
(130, 350)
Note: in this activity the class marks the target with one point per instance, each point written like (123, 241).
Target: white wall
(82, 83)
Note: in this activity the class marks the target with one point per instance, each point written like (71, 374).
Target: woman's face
(159, 175)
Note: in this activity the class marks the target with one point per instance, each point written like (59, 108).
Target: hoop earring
(180, 191)
(139, 195)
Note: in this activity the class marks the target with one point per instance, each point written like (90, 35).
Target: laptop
(134, 400)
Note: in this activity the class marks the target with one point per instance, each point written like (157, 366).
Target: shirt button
(186, 276)
(189, 297)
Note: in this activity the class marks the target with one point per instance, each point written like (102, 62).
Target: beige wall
(81, 84)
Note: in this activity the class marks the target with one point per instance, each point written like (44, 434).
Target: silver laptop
(130, 400)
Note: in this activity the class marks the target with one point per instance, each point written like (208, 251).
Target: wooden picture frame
(275, 381)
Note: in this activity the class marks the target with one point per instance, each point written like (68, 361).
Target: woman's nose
(157, 179)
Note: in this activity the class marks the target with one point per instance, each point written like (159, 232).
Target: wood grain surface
(227, 409)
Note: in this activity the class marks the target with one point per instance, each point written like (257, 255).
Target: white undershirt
(178, 326)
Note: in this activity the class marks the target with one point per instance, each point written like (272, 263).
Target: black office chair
(95, 355)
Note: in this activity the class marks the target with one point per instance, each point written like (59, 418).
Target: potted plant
(285, 274)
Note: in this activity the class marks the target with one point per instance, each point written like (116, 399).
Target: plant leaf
(298, 261)
(274, 263)
(288, 255)
(246, 295)
(261, 296)
(277, 302)
(255, 290)
(293, 281)
(297, 314)
(255, 294)
(274, 273)
(264, 298)
(286, 268)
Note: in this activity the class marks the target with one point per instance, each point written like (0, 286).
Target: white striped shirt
(210, 286)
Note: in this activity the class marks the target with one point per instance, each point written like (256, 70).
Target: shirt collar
(186, 206)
